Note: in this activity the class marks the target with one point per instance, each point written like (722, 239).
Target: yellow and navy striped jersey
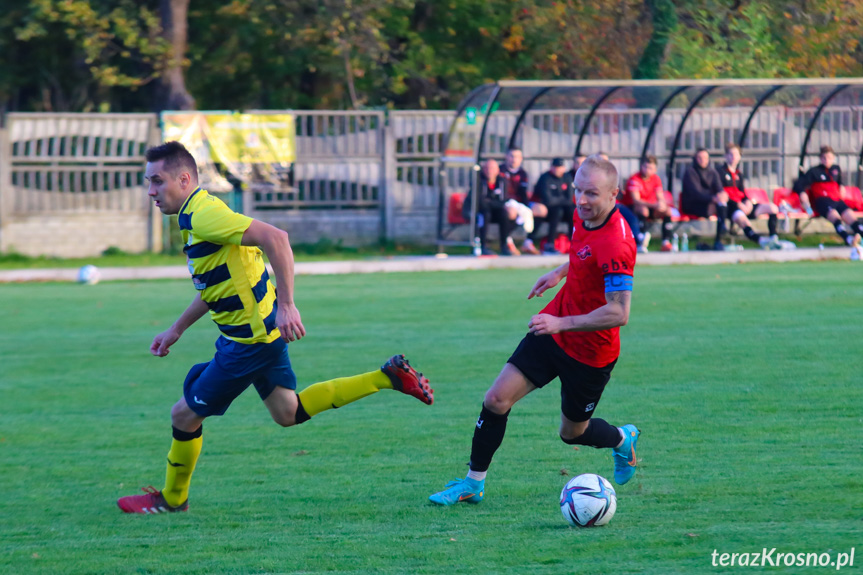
(232, 278)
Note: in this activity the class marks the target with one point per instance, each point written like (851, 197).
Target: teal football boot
(625, 460)
(467, 489)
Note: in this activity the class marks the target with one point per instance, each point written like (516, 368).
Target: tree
(664, 19)
(749, 39)
(133, 55)
(82, 55)
(172, 93)
(584, 39)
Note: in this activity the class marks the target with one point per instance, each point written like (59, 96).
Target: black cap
(557, 163)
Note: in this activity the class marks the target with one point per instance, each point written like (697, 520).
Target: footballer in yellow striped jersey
(224, 251)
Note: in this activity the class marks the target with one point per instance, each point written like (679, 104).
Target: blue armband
(618, 282)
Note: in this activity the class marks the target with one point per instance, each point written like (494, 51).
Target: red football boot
(151, 502)
(406, 379)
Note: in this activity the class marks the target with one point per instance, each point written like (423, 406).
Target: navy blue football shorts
(540, 360)
(823, 204)
(211, 387)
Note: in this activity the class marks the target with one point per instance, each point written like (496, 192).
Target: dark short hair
(699, 150)
(649, 159)
(825, 150)
(176, 157)
(557, 163)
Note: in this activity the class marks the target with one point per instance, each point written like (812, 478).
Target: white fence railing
(388, 162)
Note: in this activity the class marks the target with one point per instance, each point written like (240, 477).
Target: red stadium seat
(853, 198)
(758, 196)
(797, 214)
(785, 194)
(454, 215)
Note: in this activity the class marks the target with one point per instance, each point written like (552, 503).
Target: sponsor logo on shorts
(589, 407)
(199, 401)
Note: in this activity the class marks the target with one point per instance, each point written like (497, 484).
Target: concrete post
(158, 230)
(6, 193)
(387, 180)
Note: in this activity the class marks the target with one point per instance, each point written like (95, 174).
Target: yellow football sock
(181, 463)
(338, 392)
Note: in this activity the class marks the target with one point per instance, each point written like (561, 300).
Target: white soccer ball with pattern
(89, 275)
(588, 500)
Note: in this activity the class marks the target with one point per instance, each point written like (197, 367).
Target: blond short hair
(595, 162)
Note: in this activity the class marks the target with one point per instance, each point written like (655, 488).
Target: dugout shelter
(778, 124)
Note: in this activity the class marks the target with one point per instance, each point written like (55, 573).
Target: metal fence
(386, 164)
(76, 162)
(770, 157)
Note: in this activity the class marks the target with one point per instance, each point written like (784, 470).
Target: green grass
(745, 380)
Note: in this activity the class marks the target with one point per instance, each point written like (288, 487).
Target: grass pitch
(745, 380)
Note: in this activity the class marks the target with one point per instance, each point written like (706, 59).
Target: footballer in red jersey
(740, 207)
(821, 191)
(574, 338)
(645, 196)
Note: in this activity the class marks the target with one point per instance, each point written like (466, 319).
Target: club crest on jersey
(584, 253)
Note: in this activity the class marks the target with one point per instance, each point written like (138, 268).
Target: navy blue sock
(599, 434)
(771, 225)
(840, 229)
(487, 437)
(721, 215)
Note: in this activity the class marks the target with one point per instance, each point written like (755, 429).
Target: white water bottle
(477, 246)
(675, 243)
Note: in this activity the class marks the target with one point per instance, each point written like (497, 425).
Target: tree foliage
(79, 54)
(748, 38)
(245, 54)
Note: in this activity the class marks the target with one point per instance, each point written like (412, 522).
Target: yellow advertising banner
(251, 138)
(233, 140)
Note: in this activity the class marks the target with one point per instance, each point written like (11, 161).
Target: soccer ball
(89, 275)
(588, 500)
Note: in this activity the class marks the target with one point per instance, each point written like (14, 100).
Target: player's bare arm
(548, 281)
(614, 313)
(162, 342)
(275, 244)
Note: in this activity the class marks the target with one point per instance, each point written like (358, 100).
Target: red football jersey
(648, 190)
(824, 183)
(593, 253)
(732, 183)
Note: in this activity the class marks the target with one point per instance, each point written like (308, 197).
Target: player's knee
(571, 437)
(284, 419)
(284, 415)
(571, 434)
(182, 417)
(497, 403)
(569, 440)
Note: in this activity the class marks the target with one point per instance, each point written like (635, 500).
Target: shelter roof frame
(483, 102)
